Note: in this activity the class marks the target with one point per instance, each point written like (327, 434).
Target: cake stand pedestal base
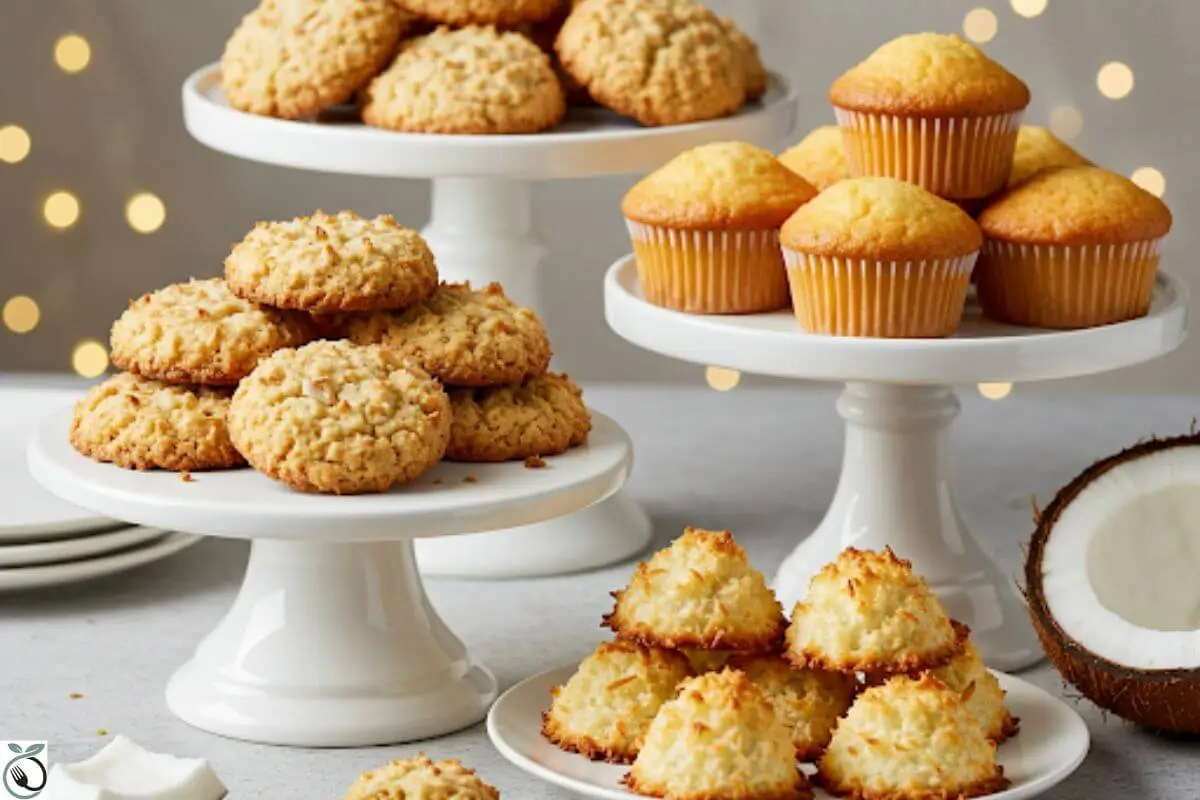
(331, 645)
(895, 491)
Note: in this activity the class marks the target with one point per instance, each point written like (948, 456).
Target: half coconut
(1113, 583)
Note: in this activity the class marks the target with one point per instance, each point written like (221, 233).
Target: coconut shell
(1166, 700)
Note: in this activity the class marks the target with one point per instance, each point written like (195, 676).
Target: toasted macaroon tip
(1082, 205)
(1038, 149)
(980, 692)
(701, 593)
(930, 74)
(819, 158)
(725, 185)
(606, 707)
(881, 219)
(421, 777)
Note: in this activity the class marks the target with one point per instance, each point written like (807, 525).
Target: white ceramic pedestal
(898, 407)
(332, 640)
(481, 228)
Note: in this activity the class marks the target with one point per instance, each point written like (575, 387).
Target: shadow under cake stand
(482, 229)
(898, 405)
(332, 640)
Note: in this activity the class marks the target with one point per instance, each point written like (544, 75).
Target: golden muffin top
(732, 185)
(1076, 205)
(1039, 149)
(929, 74)
(882, 219)
(819, 158)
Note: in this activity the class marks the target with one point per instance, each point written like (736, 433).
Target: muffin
(705, 229)
(980, 692)
(605, 709)
(909, 739)
(933, 110)
(879, 257)
(819, 158)
(1072, 247)
(1038, 149)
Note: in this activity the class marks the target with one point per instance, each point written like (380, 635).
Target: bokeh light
(14, 144)
(1029, 8)
(61, 210)
(722, 379)
(1150, 179)
(995, 391)
(21, 314)
(72, 53)
(1115, 80)
(980, 25)
(89, 358)
(1066, 122)
(145, 212)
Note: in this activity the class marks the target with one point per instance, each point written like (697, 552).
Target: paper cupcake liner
(1066, 286)
(892, 299)
(710, 272)
(957, 158)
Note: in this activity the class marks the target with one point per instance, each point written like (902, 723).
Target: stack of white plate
(43, 540)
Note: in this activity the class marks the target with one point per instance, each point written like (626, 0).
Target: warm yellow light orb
(14, 144)
(72, 53)
(1150, 179)
(722, 379)
(1029, 8)
(21, 314)
(995, 391)
(145, 212)
(1115, 80)
(89, 358)
(980, 25)
(61, 210)
(1066, 122)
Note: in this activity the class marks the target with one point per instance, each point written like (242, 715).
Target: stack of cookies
(489, 66)
(254, 367)
(871, 681)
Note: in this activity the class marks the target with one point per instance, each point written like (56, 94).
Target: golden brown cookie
(470, 81)
(463, 336)
(541, 417)
(339, 418)
(292, 58)
(200, 332)
(752, 66)
(328, 263)
(139, 423)
(501, 13)
(421, 778)
(662, 62)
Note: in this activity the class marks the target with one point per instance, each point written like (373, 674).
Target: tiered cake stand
(481, 228)
(898, 404)
(332, 640)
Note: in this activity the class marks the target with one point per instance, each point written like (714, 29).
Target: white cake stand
(481, 228)
(898, 404)
(332, 640)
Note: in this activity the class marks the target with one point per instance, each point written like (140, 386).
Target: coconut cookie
(753, 69)
(720, 738)
(328, 263)
(980, 692)
(911, 739)
(201, 332)
(868, 612)
(469, 81)
(662, 62)
(605, 709)
(807, 701)
(137, 423)
(337, 418)
(701, 593)
(501, 13)
(463, 336)
(421, 778)
(541, 417)
(292, 58)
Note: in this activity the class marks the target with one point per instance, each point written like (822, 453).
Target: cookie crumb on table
(535, 462)
(101, 732)
(75, 695)
(186, 477)
(470, 479)
(438, 481)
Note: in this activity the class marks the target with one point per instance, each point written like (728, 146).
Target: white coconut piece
(123, 770)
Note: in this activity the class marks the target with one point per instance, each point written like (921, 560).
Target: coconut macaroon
(910, 739)
(720, 739)
(421, 777)
(807, 701)
(605, 708)
(980, 691)
(868, 612)
(700, 593)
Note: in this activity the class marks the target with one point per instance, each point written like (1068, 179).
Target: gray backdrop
(114, 129)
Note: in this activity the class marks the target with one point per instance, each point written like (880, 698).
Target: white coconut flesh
(1121, 568)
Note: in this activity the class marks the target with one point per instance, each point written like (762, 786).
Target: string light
(1066, 122)
(980, 25)
(1029, 8)
(1150, 179)
(72, 53)
(145, 212)
(61, 210)
(1115, 80)
(722, 379)
(89, 358)
(21, 314)
(995, 391)
(14, 144)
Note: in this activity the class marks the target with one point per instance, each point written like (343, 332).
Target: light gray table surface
(761, 462)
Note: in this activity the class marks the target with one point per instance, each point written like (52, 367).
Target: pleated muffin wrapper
(958, 158)
(888, 299)
(710, 271)
(1066, 286)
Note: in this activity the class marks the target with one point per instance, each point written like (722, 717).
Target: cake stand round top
(590, 142)
(452, 498)
(981, 350)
